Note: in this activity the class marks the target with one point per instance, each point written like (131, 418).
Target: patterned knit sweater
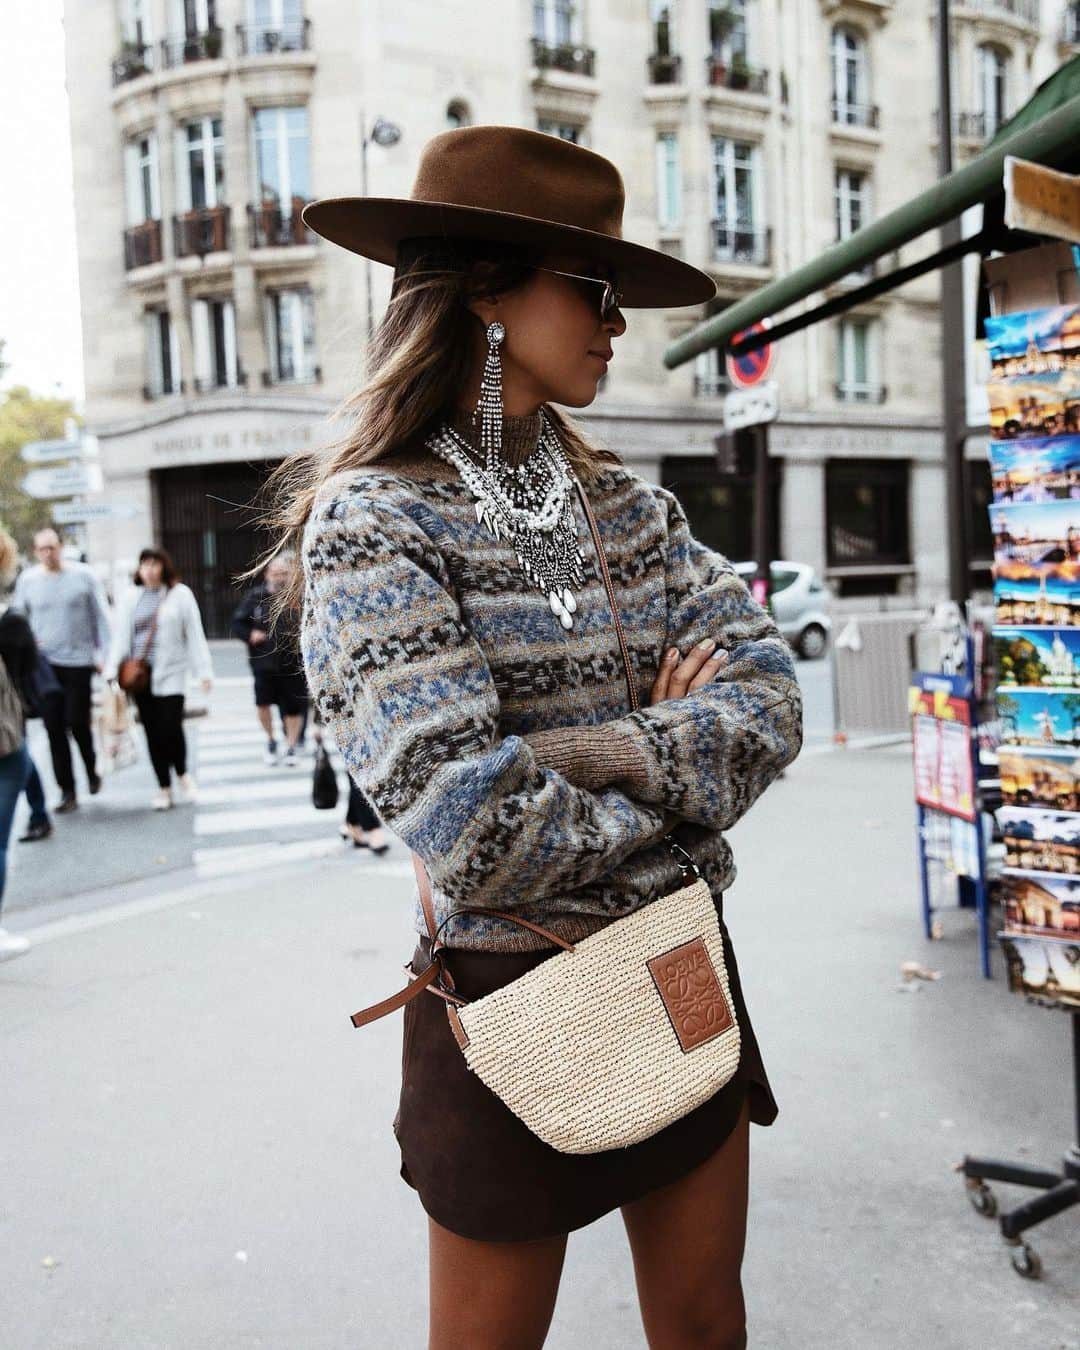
(499, 745)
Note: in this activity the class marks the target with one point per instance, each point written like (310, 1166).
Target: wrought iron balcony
(711, 386)
(664, 69)
(201, 232)
(271, 227)
(312, 375)
(854, 114)
(133, 59)
(861, 393)
(563, 56)
(266, 39)
(1027, 11)
(142, 244)
(741, 244)
(208, 46)
(735, 75)
(971, 126)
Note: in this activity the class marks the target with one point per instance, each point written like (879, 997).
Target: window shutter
(229, 324)
(155, 183)
(200, 342)
(132, 185)
(155, 376)
(183, 169)
(174, 359)
(270, 324)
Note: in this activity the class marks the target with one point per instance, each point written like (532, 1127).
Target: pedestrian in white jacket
(158, 621)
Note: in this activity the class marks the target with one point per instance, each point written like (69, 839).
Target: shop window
(866, 512)
(720, 509)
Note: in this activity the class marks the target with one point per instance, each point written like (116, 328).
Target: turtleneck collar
(520, 435)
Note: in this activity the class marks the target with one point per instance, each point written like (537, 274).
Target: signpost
(753, 406)
(68, 480)
(43, 452)
(81, 513)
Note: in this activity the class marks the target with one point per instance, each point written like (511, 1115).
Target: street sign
(79, 513)
(69, 480)
(1041, 200)
(751, 367)
(750, 407)
(75, 447)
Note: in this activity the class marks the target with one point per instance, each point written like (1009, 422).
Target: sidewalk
(197, 1152)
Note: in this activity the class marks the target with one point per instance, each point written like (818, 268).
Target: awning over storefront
(1046, 130)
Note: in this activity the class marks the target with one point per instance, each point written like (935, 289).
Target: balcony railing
(1025, 10)
(854, 114)
(201, 232)
(265, 39)
(741, 244)
(208, 46)
(1070, 25)
(133, 59)
(271, 227)
(711, 386)
(563, 56)
(664, 69)
(971, 126)
(735, 75)
(142, 244)
(309, 375)
(861, 393)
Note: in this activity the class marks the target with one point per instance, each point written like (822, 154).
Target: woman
(158, 621)
(471, 679)
(18, 657)
(362, 824)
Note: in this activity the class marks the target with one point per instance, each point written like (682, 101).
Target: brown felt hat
(511, 185)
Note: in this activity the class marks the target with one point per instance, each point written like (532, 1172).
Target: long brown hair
(418, 361)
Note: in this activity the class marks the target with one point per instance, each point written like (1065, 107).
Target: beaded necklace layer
(529, 504)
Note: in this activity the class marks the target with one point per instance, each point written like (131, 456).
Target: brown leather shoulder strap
(388, 1005)
(425, 894)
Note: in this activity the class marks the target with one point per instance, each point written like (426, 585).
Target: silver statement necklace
(530, 505)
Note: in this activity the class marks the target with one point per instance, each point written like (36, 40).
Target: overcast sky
(39, 286)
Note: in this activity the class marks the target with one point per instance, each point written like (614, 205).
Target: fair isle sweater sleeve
(710, 755)
(409, 697)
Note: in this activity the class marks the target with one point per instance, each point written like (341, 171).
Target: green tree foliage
(25, 417)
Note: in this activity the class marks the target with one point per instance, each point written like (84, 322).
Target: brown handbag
(133, 674)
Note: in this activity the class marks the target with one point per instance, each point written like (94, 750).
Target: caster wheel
(1026, 1262)
(983, 1200)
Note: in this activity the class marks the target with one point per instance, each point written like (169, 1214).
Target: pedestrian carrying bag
(133, 675)
(616, 1036)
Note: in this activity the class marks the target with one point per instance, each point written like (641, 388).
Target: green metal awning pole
(1051, 138)
(953, 364)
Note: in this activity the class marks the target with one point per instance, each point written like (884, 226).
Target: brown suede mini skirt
(481, 1173)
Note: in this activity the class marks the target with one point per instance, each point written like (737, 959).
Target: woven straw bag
(618, 1035)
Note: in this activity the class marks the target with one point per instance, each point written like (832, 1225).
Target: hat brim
(374, 226)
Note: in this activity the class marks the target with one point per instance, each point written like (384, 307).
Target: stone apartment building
(219, 334)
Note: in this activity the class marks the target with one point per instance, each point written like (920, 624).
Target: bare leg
(687, 1240)
(266, 721)
(294, 723)
(491, 1295)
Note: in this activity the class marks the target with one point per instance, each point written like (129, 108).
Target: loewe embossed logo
(686, 980)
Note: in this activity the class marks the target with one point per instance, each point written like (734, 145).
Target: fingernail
(718, 656)
(672, 653)
(706, 643)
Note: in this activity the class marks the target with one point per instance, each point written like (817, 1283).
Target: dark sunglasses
(610, 300)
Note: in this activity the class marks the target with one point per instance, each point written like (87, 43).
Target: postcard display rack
(1035, 470)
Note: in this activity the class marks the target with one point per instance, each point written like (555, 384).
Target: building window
(135, 21)
(710, 374)
(668, 181)
(458, 114)
(200, 160)
(566, 131)
(162, 355)
(992, 87)
(556, 22)
(728, 36)
(737, 228)
(850, 79)
(290, 334)
(720, 508)
(852, 202)
(663, 22)
(213, 337)
(194, 17)
(143, 190)
(283, 159)
(276, 26)
(857, 369)
(866, 512)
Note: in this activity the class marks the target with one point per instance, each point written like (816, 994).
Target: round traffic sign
(751, 367)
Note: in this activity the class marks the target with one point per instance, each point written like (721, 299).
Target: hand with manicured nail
(679, 675)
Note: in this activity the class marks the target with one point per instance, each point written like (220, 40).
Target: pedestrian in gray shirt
(66, 609)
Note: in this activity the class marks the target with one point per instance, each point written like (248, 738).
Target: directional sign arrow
(79, 513)
(69, 480)
(41, 452)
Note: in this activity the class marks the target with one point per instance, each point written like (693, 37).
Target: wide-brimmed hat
(511, 185)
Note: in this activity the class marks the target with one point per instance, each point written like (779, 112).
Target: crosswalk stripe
(262, 818)
(225, 861)
(270, 788)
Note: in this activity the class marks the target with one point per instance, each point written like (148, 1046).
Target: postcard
(1037, 777)
(1041, 469)
(1037, 593)
(1041, 904)
(1036, 532)
(1043, 717)
(1035, 342)
(1037, 658)
(1047, 970)
(1040, 841)
(1047, 404)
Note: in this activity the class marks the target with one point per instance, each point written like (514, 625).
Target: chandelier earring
(490, 407)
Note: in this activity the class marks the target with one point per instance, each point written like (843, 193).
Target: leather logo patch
(687, 982)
